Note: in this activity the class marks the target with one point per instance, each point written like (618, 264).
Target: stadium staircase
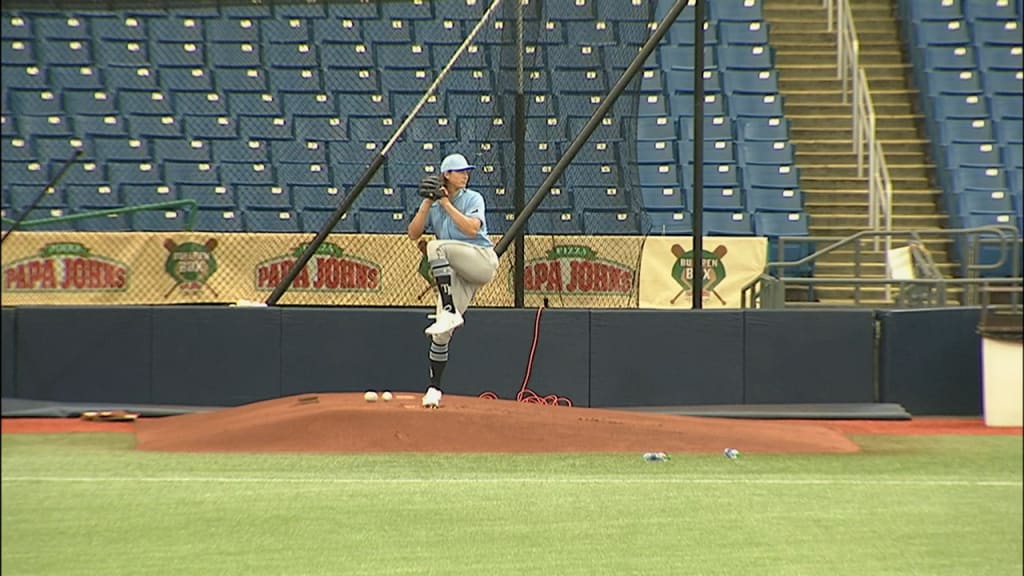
(821, 123)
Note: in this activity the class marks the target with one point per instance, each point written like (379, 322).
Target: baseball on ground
(370, 396)
(386, 396)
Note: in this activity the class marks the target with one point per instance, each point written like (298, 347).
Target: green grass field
(90, 504)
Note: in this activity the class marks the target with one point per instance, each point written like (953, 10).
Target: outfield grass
(90, 504)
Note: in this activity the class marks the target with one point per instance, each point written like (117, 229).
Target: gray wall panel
(809, 356)
(652, 358)
(216, 356)
(7, 360)
(84, 354)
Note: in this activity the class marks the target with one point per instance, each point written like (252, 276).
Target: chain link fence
(218, 138)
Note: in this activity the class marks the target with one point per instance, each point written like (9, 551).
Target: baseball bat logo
(713, 273)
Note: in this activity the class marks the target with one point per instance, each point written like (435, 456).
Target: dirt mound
(347, 423)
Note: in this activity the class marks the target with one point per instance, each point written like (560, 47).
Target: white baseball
(370, 396)
(386, 396)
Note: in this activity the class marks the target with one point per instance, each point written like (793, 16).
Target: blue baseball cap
(455, 163)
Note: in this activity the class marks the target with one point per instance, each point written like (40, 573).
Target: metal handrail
(849, 71)
(1007, 237)
(190, 220)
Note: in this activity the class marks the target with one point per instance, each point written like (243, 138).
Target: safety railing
(854, 82)
(768, 291)
(189, 204)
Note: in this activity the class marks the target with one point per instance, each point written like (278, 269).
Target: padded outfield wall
(927, 360)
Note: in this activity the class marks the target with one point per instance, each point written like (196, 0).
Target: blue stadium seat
(964, 82)
(110, 125)
(21, 196)
(998, 82)
(82, 172)
(371, 128)
(948, 57)
(219, 220)
(232, 30)
(760, 199)
(180, 150)
(611, 222)
(917, 10)
(313, 220)
(89, 102)
(350, 56)
(728, 198)
(985, 202)
(60, 52)
(16, 148)
(447, 31)
(668, 223)
(762, 128)
(683, 57)
(25, 77)
(966, 130)
(600, 198)
(362, 104)
(265, 128)
(997, 32)
(383, 198)
(135, 173)
(1013, 156)
(142, 194)
(144, 125)
(177, 54)
(159, 220)
(316, 197)
(254, 104)
(239, 79)
(668, 198)
(727, 224)
(383, 221)
(568, 80)
(774, 224)
(748, 105)
(972, 154)
(224, 54)
(334, 31)
(990, 10)
(940, 33)
(389, 31)
(285, 30)
(210, 127)
(285, 80)
(176, 28)
(313, 174)
(43, 213)
(320, 128)
(246, 173)
(190, 173)
(18, 51)
(498, 221)
(298, 151)
(403, 56)
(208, 196)
(979, 178)
(770, 176)
(714, 151)
(743, 32)
(999, 57)
(199, 103)
(185, 79)
(433, 129)
(740, 81)
(263, 197)
(148, 102)
(309, 104)
(749, 57)
(108, 223)
(657, 128)
(278, 220)
(1006, 108)
(736, 10)
(656, 152)
(80, 77)
(547, 223)
(715, 176)
(766, 152)
(948, 106)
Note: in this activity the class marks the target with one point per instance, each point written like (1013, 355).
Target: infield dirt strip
(343, 422)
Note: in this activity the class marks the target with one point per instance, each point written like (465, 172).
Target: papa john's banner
(729, 264)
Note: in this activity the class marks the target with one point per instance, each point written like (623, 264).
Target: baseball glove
(430, 187)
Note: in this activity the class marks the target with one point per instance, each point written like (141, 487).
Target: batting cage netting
(218, 139)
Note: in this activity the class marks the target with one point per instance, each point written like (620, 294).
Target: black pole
(311, 248)
(698, 155)
(519, 195)
(39, 198)
(638, 62)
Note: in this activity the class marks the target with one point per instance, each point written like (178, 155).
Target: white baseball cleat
(432, 399)
(444, 323)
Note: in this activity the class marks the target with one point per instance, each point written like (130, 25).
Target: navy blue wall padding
(491, 352)
(84, 354)
(7, 316)
(797, 356)
(352, 350)
(930, 361)
(665, 358)
(209, 356)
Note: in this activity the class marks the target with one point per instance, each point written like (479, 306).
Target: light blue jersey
(470, 203)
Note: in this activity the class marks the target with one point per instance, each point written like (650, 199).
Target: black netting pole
(53, 182)
(519, 196)
(375, 164)
(698, 155)
(515, 229)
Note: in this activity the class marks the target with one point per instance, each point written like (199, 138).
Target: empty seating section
(267, 115)
(967, 59)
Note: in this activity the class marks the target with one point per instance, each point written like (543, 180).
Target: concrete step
(833, 84)
(832, 97)
(809, 56)
(838, 183)
(891, 129)
(859, 197)
(829, 207)
(825, 70)
(791, 35)
(847, 171)
(824, 107)
(906, 146)
(816, 156)
(826, 222)
(849, 256)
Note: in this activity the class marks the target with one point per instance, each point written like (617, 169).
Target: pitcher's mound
(347, 423)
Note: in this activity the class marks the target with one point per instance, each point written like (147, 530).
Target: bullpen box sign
(574, 269)
(330, 269)
(190, 265)
(66, 267)
(727, 265)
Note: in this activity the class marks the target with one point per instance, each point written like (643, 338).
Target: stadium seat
(615, 222)
(941, 32)
(778, 152)
(142, 194)
(668, 223)
(266, 197)
(769, 176)
(594, 198)
(200, 103)
(546, 222)
(159, 220)
(108, 223)
(313, 220)
(743, 32)
(273, 220)
(383, 221)
(209, 196)
(972, 154)
(760, 199)
(223, 220)
(727, 224)
(753, 105)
